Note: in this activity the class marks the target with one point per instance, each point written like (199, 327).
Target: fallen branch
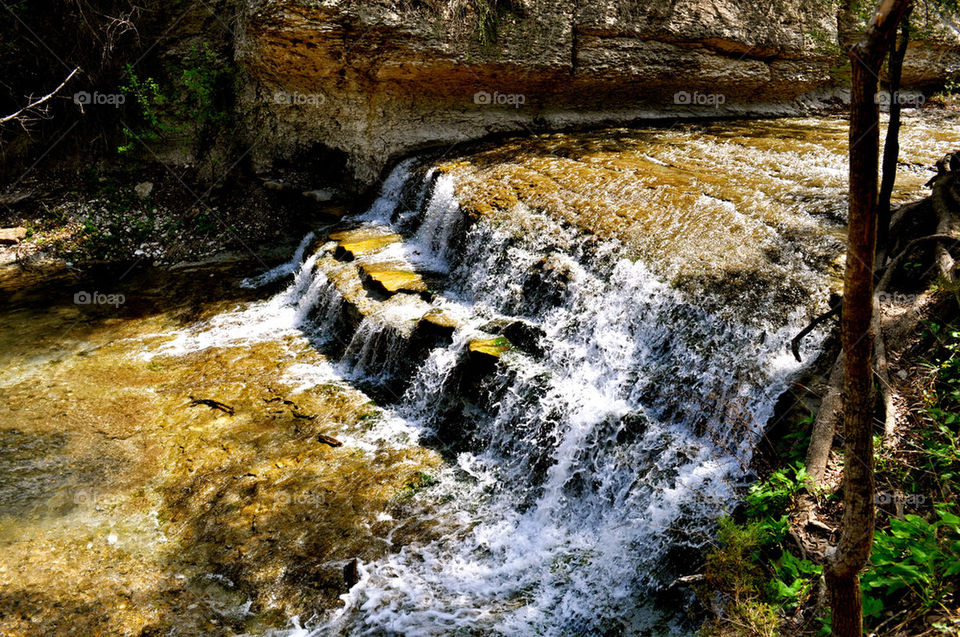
(688, 580)
(329, 440)
(28, 107)
(881, 366)
(795, 343)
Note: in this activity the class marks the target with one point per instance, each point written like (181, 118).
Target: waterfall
(581, 469)
(591, 460)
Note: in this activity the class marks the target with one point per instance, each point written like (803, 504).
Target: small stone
(12, 235)
(143, 189)
(112, 539)
(321, 195)
(902, 373)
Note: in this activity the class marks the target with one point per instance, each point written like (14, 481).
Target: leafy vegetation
(186, 105)
(914, 569)
(757, 579)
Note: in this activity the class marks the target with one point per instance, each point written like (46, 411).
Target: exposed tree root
(824, 426)
(881, 367)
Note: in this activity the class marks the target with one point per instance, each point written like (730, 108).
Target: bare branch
(29, 107)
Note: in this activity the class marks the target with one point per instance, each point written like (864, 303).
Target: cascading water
(597, 340)
(584, 463)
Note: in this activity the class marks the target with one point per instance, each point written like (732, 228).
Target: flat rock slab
(355, 243)
(393, 277)
(12, 235)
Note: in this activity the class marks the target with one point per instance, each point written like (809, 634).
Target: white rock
(143, 189)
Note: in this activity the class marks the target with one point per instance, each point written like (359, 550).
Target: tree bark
(856, 537)
(891, 147)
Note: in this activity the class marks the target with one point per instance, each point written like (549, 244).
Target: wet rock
(435, 328)
(525, 336)
(392, 278)
(361, 241)
(351, 573)
(439, 323)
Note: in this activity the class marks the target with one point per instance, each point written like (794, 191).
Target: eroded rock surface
(364, 82)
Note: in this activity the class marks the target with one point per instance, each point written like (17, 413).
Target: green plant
(759, 580)
(199, 80)
(914, 558)
(794, 578)
(187, 102)
(421, 480)
(770, 498)
(150, 102)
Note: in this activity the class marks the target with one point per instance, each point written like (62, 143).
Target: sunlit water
(652, 280)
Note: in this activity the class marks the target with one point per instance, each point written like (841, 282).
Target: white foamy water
(592, 463)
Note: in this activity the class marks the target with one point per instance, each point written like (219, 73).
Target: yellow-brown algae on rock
(125, 511)
(393, 277)
(492, 347)
(363, 241)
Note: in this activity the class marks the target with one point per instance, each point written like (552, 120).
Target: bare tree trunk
(856, 539)
(891, 147)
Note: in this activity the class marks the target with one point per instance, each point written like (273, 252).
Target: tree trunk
(856, 538)
(891, 148)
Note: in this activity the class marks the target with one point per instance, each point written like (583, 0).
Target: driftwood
(329, 440)
(824, 425)
(688, 580)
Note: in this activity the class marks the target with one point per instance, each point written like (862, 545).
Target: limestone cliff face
(361, 82)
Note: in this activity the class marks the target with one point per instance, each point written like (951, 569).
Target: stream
(511, 397)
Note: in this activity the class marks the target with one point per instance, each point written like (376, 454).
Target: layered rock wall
(360, 82)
